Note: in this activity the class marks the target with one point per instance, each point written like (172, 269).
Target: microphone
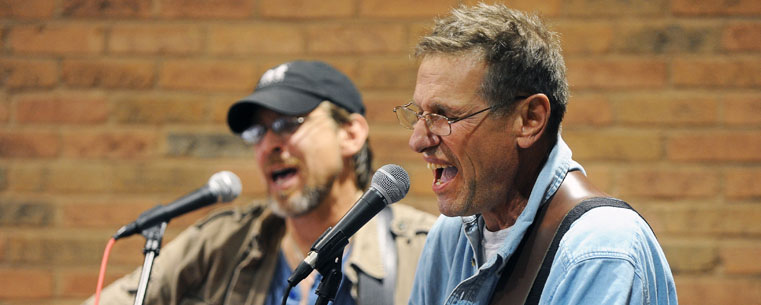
(390, 184)
(223, 186)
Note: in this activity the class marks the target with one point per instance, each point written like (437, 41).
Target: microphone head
(225, 186)
(392, 181)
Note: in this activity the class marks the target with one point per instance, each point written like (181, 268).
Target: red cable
(102, 274)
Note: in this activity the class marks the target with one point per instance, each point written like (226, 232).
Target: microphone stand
(331, 280)
(153, 236)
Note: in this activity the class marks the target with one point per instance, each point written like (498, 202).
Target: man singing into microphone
(485, 115)
(305, 124)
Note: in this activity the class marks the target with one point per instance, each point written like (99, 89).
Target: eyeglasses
(436, 123)
(281, 126)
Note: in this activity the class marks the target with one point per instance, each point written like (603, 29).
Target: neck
(504, 215)
(305, 229)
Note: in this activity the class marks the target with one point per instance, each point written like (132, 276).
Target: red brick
(718, 290)
(669, 183)
(159, 109)
(61, 248)
(27, 9)
(584, 37)
(613, 145)
(158, 178)
(390, 144)
(742, 37)
(3, 241)
(664, 109)
(741, 258)
(207, 75)
(549, 8)
(716, 8)
(405, 9)
(717, 72)
(743, 183)
(27, 178)
(81, 283)
(155, 39)
(616, 73)
(220, 104)
(691, 255)
(27, 73)
(354, 38)
(18, 283)
(61, 108)
(56, 39)
(588, 110)
(107, 8)
(306, 9)
(131, 177)
(134, 74)
(26, 213)
(91, 177)
(742, 110)
(5, 108)
(207, 8)
(29, 144)
(205, 145)
(426, 203)
(416, 31)
(612, 8)
(387, 74)
(112, 145)
(379, 108)
(602, 176)
(100, 213)
(256, 39)
(714, 146)
(665, 37)
(421, 179)
(705, 219)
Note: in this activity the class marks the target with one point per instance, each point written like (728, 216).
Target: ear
(533, 115)
(353, 135)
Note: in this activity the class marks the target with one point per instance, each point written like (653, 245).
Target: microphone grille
(225, 186)
(392, 181)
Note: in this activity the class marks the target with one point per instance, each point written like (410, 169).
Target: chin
(447, 209)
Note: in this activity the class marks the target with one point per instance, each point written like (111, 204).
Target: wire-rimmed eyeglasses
(436, 123)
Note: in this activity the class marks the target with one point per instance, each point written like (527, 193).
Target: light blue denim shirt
(608, 256)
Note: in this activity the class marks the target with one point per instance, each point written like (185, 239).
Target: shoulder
(234, 221)
(610, 233)
(407, 220)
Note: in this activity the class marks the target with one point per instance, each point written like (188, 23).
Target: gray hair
(522, 55)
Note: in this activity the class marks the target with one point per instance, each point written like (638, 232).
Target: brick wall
(108, 107)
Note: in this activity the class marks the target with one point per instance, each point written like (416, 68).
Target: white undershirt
(493, 241)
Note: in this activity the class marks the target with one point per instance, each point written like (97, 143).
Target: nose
(422, 138)
(270, 142)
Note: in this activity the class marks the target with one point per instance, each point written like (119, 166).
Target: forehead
(447, 82)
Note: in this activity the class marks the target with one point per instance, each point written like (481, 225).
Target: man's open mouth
(443, 173)
(280, 175)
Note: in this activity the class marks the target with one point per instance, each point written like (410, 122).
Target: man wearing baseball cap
(305, 122)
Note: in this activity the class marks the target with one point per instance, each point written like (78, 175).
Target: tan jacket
(230, 257)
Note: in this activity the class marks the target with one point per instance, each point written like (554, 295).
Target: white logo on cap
(275, 74)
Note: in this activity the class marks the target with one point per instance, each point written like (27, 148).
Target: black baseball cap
(296, 88)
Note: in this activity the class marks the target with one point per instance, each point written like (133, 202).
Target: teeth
(433, 166)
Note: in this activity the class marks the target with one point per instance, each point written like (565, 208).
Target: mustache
(279, 161)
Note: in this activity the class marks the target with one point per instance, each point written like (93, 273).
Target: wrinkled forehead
(446, 83)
